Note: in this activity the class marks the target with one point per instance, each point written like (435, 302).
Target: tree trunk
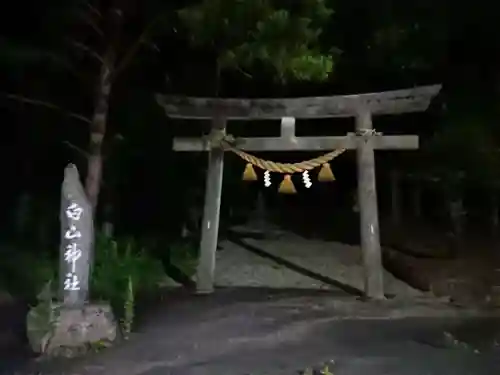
(495, 209)
(456, 210)
(99, 118)
(417, 199)
(456, 215)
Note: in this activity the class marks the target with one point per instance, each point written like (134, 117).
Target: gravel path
(237, 266)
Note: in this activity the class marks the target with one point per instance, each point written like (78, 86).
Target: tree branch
(93, 9)
(130, 54)
(87, 50)
(48, 105)
(88, 19)
(76, 148)
(134, 48)
(242, 71)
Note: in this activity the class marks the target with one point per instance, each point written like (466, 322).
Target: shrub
(23, 273)
(123, 269)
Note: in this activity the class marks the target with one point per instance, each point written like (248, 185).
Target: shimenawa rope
(288, 168)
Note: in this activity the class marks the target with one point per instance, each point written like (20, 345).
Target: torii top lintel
(389, 102)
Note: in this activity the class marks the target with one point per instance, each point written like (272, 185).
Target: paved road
(238, 332)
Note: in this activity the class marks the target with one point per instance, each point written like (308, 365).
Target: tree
(95, 47)
(387, 43)
(246, 34)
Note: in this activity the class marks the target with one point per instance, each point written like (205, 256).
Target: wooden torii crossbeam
(364, 140)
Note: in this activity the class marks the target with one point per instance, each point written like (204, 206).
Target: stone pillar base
(203, 292)
(56, 330)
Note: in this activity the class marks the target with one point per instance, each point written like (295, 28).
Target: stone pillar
(67, 328)
(77, 240)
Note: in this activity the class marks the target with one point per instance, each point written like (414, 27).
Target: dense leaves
(245, 33)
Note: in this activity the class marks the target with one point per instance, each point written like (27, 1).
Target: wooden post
(367, 197)
(456, 217)
(456, 209)
(260, 214)
(211, 212)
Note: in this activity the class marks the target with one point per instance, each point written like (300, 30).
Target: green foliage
(122, 270)
(122, 267)
(246, 33)
(129, 308)
(399, 41)
(23, 272)
(325, 370)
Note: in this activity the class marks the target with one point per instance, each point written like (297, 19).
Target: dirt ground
(424, 257)
(257, 331)
(467, 271)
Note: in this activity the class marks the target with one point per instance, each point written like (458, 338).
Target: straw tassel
(249, 173)
(286, 186)
(326, 174)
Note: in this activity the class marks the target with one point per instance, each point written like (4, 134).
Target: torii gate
(365, 140)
